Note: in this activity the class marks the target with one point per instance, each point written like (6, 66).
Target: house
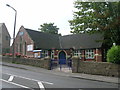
(4, 39)
(33, 43)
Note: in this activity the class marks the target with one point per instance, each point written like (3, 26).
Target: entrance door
(62, 57)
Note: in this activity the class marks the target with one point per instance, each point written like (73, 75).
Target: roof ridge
(41, 32)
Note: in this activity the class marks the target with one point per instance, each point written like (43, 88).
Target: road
(21, 78)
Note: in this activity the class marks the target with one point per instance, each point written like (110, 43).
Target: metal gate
(56, 64)
(62, 62)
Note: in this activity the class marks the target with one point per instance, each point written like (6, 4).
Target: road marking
(30, 79)
(11, 78)
(41, 86)
(16, 84)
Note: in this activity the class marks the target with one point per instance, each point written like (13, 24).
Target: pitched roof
(76, 41)
(5, 28)
(44, 40)
(81, 41)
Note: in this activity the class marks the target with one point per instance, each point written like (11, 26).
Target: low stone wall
(96, 68)
(43, 63)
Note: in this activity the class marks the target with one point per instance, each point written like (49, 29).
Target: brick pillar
(83, 55)
(98, 55)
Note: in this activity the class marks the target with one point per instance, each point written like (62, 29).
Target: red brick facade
(23, 40)
(97, 55)
(21, 43)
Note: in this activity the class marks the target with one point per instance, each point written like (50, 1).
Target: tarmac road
(21, 78)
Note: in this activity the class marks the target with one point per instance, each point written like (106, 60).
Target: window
(77, 53)
(44, 53)
(7, 38)
(16, 47)
(20, 48)
(52, 54)
(89, 54)
(25, 46)
(20, 39)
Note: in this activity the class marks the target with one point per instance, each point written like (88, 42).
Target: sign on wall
(30, 47)
(21, 33)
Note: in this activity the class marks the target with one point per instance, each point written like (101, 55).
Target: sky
(33, 13)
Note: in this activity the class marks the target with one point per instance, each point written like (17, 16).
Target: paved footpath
(69, 74)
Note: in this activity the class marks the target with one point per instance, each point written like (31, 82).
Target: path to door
(64, 68)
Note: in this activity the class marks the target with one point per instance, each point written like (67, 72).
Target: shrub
(113, 55)
(8, 54)
(18, 55)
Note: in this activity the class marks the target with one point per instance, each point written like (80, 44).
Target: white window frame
(44, 53)
(52, 54)
(78, 53)
(89, 54)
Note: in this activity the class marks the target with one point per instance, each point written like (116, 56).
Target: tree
(92, 17)
(49, 28)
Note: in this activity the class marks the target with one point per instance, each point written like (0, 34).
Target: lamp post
(14, 30)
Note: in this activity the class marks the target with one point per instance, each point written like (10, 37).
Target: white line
(30, 79)
(41, 86)
(16, 84)
(11, 78)
(46, 82)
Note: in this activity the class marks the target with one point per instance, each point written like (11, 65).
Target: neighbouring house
(4, 39)
(37, 44)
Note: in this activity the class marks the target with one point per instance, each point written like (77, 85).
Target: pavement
(65, 72)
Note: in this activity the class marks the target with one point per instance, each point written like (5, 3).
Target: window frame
(52, 54)
(44, 53)
(7, 38)
(89, 54)
(78, 53)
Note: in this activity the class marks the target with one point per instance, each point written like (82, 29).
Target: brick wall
(24, 40)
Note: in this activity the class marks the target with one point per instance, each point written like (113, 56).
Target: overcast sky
(33, 13)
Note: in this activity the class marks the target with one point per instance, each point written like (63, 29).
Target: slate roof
(81, 41)
(76, 41)
(5, 28)
(44, 40)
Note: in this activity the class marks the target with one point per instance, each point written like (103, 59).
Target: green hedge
(113, 55)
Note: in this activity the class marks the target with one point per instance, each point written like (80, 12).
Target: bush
(113, 55)
(18, 55)
(7, 54)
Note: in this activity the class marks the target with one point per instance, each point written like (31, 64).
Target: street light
(14, 30)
